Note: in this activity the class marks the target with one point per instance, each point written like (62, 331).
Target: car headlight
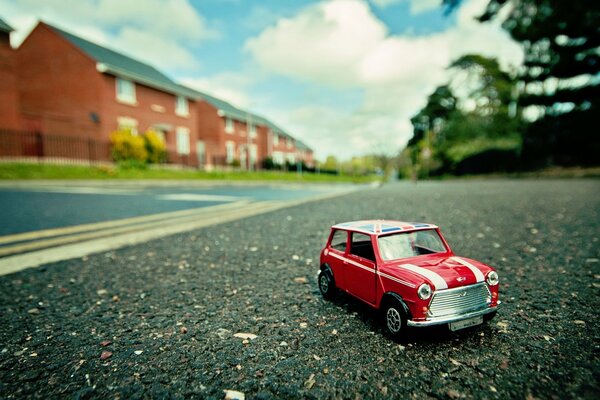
(424, 291)
(492, 278)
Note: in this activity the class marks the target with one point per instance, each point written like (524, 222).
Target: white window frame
(275, 139)
(289, 143)
(253, 153)
(229, 151)
(182, 107)
(128, 123)
(183, 140)
(125, 90)
(253, 133)
(229, 125)
(278, 158)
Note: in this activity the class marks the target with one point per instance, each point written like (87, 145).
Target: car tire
(394, 318)
(326, 284)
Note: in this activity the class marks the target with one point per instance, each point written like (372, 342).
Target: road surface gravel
(159, 320)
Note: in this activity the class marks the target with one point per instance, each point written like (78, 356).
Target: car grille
(459, 300)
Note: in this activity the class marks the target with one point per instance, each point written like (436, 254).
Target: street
(34, 207)
(158, 319)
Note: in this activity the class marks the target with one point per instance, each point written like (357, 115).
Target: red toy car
(408, 271)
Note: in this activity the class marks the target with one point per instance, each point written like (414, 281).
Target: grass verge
(50, 171)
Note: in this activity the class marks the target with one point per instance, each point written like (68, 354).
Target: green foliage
(155, 147)
(50, 171)
(445, 134)
(560, 40)
(127, 147)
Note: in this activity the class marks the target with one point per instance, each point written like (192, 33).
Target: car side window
(361, 246)
(338, 241)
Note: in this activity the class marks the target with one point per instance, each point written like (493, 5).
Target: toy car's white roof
(380, 226)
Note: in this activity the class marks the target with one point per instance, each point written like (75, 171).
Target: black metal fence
(65, 149)
(25, 145)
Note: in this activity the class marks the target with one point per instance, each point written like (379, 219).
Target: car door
(337, 255)
(360, 271)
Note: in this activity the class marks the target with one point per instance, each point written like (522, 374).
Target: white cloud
(322, 43)
(227, 86)
(341, 43)
(155, 31)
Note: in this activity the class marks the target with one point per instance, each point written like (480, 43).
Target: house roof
(115, 63)
(302, 146)
(4, 27)
(233, 112)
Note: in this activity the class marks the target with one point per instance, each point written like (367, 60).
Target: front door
(201, 153)
(360, 269)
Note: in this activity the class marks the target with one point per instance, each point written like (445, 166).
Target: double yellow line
(28, 241)
(32, 249)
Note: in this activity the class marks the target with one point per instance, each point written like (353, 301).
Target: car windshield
(410, 244)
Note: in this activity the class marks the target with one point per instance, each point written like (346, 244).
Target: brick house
(63, 86)
(224, 128)
(9, 99)
(72, 87)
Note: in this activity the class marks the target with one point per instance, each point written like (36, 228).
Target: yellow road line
(20, 262)
(34, 235)
(40, 244)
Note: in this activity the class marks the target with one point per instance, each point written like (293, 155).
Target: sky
(344, 76)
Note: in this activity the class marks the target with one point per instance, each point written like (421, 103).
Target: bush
(127, 147)
(155, 147)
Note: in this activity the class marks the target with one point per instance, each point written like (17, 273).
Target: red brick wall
(9, 99)
(58, 85)
(263, 143)
(211, 128)
(152, 107)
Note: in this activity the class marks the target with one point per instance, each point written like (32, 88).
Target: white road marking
(197, 197)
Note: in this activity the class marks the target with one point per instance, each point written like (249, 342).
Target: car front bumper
(450, 318)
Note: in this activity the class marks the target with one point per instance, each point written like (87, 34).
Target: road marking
(235, 211)
(20, 237)
(170, 219)
(197, 197)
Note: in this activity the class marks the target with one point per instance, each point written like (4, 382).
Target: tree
(450, 136)
(559, 77)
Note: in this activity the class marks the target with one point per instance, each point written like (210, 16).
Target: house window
(128, 124)
(230, 149)
(278, 158)
(125, 91)
(181, 106)
(276, 139)
(183, 140)
(228, 125)
(290, 143)
(252, 131)
(253, 153)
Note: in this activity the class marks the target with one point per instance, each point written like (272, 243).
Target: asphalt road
(52, 206)
(158, 320)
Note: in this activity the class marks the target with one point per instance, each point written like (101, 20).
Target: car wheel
(394, 319)
(326, 284)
